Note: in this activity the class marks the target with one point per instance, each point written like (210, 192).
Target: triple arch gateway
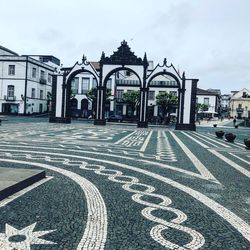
(129, 72)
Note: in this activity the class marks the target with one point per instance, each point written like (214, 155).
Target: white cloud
(208, 39)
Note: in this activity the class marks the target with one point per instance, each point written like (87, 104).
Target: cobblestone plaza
(121, 187)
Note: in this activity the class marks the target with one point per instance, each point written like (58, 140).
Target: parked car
(115, 118)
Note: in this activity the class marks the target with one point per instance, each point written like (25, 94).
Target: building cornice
(30, 60)
(9, 51)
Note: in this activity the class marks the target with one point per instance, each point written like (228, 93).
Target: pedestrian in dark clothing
(234, 121)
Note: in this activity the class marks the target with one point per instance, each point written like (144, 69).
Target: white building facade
(240, 104)
(25, 82)
(225, 101)
(211, 99)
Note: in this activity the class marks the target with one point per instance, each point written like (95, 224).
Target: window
(33, 93)
(75, 85)
(109, 83)
(10, 91)
(34, 72)
(85, 85)
(151, 95)
(42, 75)
(94, 83)
(41, 94)
(119, 94)
(174, 83)
(49, 78)
(12, 70)
(206, 101)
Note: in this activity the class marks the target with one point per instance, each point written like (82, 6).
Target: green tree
(131, 98)
(92, 95)
(201, 107)
(167, 101)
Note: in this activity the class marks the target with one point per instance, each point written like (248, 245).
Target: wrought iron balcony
(9, 98)
(43, 81)
(119, 99)
(239, 110)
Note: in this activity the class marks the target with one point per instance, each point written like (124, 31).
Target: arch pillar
(187, 106)
(59, 106)
(143, 121)
(67, 95)
(100, 106)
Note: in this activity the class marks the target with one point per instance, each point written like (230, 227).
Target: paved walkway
(119, 187)
(204, 122)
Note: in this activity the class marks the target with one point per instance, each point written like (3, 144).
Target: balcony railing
(43, 81)
(239, 110)
(119, 99)
(9, 98)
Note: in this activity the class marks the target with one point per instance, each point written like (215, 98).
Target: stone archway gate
(123, 59)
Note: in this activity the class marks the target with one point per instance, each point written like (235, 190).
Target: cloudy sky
(209, 39)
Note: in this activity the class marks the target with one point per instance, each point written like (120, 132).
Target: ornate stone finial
(124, 42)
(183, 75)
(84, 58)
(145, 60)
(103, 55)
(165, 62)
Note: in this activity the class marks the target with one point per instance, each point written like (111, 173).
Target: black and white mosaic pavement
(120, 187)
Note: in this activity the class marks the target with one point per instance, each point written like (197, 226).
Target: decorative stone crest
(123, 56)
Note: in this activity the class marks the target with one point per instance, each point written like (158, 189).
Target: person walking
(234, 121)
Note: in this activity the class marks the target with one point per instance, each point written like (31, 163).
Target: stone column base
(59, 120)
(101, 122)
(185, 126)
(142, 124)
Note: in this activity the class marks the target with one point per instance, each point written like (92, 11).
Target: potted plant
(215, 125)
(247, 142)
(230, 137)
(220, 133)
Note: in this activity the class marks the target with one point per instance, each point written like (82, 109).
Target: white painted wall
(187, 102)
(59, 96)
